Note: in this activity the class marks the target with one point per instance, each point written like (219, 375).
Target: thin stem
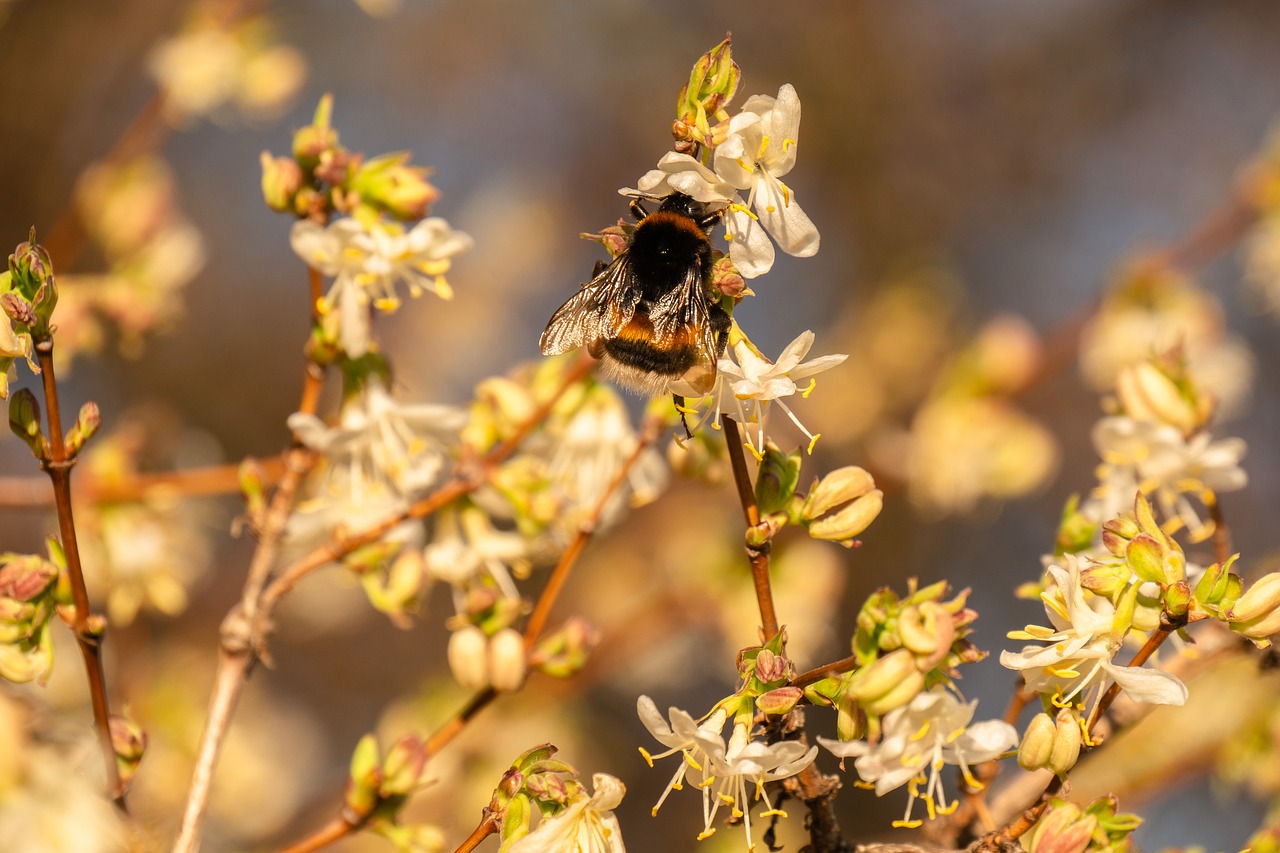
(338, 828)
(759, 536)
(58, 468)
(487, 827)
(816, 674)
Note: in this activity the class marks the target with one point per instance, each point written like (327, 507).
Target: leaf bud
(842, 505)
(1075, 530)
(565, 652)
(1259, 600)
(31, 279)
(779, 701)
(1177, 600)
(1147, 393)
(712, 83)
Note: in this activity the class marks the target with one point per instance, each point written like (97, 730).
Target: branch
(759, 536)
(88, 636)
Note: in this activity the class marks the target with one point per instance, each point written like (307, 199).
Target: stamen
(644, 753)
(813, 383)
(764, 146)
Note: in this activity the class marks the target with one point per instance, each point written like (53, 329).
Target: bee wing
(686, 312)
(599, 310)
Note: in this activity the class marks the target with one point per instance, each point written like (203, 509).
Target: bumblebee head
(704, 214)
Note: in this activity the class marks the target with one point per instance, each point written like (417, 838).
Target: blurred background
(963, 162)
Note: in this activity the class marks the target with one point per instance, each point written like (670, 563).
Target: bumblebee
(650, 316)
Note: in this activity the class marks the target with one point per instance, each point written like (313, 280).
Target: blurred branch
(30, 492)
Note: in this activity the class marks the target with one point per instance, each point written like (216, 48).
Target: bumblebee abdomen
(635, 347)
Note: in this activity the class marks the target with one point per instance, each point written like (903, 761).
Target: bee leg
(600, 266)
(637, 209)
(678, 401)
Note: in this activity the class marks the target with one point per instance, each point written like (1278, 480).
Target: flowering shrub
(498, 501)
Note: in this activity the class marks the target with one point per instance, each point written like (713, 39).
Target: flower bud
(1145, 557)
(777, 480)
(389, 183)
(770, 667)
(402, 766)
(1037, 743)
(836, 489)
(507, 662)
(281, 180)
(564, 652)
(780, 701)
(725, 278)
(86, 426)
(1177, 600)
(31, 280)
(129, 742)
(1146, 393)
(1105, 579)
(20, 665)
(364, 777)
(889, 682)
(316, 138)
(842, 505)
(468, 657)
(1067, 739)
(1117, 532)
(1063, 830)
(712, 83)
(927, 630)
(1261, 599)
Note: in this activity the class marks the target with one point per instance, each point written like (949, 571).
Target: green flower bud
(779, 701)
(927, 630)
(389, 183)
(836, 489)
(1117, 532)
(1177, 600)
(1075, 530)
(1145, 557)
(1106, 579)
(402, 767)
(316, 138)
(711, 86)
(846, 519)
(86, 426)
(1067, 740)
(777, 480)
(1037, 743)
(565, 652)
(1065, 829)
(129, 742)
(364, 777)
(281, 180)
(31, 280)
(23, 662)
(24, 420)
(890, 682)
(1261, 599)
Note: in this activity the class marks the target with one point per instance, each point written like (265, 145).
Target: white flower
(759, 149)
(921, 738)
(368, 262)
(402, 445)
(722, 772)
(466, 549)
(592, 448)
(746, 387)
(1157, 459)
(1076, 658)
(586, 826)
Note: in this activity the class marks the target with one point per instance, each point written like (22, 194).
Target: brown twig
(58, 466)
(486, 827)
(338, 828)
(759, 536)
(816, 674)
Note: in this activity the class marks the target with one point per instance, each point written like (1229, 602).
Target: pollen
(764, 146)
(644, 753)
